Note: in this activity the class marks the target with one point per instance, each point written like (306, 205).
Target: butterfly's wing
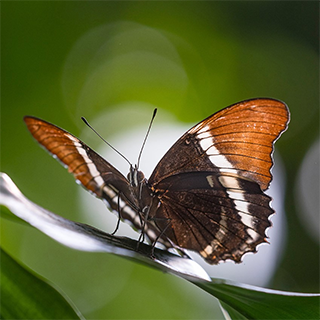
(211, 182)
(90, 169)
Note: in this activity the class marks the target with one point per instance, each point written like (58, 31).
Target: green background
(189, 58)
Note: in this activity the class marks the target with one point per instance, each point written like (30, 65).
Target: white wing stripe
(207, 144)
(91, 166)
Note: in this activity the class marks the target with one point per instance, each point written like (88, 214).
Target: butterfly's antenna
(147, 134)
(95, 131)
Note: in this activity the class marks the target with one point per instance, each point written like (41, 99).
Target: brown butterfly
(206, 194)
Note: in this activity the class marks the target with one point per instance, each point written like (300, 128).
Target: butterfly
(207, 192)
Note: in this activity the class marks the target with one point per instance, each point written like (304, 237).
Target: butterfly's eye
(130, 177)
(140, 176)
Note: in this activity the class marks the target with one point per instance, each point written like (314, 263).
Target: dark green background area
(236, 50)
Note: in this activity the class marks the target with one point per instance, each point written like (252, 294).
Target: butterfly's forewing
(86, 165)
(210, 182)
(238, 139)
(90, 169)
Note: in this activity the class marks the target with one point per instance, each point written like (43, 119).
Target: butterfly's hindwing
(212, 214)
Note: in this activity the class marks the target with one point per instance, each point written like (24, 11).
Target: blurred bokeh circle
(307, 192)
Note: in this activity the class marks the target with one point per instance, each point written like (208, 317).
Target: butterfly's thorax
(141, 191)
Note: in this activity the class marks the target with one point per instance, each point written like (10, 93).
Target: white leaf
(86, 238)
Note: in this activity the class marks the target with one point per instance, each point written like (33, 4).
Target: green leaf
(259, 303)
(25, 296)
(230, 313)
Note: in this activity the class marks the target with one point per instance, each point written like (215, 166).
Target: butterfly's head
(135, 176)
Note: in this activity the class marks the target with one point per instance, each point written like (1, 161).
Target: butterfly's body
(205, 194)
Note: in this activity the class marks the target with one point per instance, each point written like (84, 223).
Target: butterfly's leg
(179, 250)
(143, 224)
(119, 216)
(160, 234)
